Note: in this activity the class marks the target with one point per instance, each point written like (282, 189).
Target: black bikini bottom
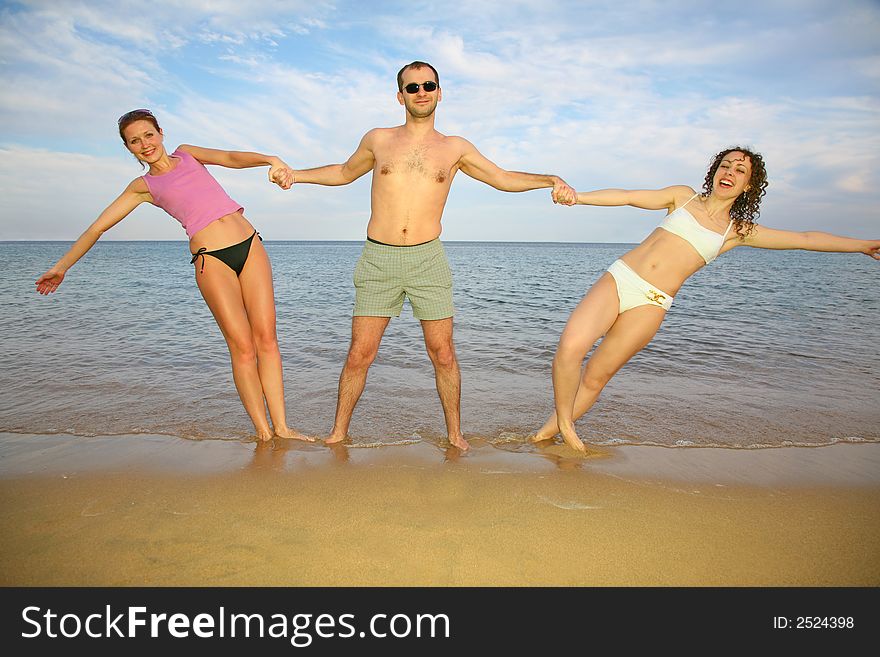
(233, 256)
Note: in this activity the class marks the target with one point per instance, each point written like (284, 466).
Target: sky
(627, 94)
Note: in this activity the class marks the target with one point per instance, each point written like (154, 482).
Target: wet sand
(160, 511)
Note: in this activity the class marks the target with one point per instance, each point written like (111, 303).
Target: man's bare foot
(339, 450)
(460, 442)
(287, 432)
(452, 454)
(335, 438)
(572, 440)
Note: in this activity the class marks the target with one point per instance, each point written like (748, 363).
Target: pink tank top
(190, 194)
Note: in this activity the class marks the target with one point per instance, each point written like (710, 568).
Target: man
(413, 166)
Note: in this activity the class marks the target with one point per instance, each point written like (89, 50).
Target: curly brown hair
(746, 207)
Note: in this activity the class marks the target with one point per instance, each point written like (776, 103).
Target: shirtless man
(413, 166)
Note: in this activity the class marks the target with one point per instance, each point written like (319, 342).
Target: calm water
(760, 349)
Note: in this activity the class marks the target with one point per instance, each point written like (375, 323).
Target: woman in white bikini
(629, 301)
(235, 281)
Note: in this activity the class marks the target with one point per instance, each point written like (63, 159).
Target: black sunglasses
(413, 87)
(134, 113)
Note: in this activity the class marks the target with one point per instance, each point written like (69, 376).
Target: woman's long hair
(747, 206)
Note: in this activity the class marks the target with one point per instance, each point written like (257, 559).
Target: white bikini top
(707, 242)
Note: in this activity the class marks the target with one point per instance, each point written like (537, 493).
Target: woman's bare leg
(593, 316)
(222, 292)
(628, 335)
(258, 296)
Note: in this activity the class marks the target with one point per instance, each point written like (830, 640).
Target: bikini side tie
(196, 255)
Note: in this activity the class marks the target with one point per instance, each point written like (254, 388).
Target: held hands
(563, 193)
(872, 248)
(281, 175)
(49, 282)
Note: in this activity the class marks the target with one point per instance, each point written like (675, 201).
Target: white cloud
(856, 183)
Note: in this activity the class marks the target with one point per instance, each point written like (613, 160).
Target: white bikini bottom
(634, 291)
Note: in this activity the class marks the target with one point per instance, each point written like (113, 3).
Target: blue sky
(605, 94)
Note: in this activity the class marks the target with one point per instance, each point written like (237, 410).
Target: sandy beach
(160, 511)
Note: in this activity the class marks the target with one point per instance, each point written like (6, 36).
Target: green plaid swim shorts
(386, 274)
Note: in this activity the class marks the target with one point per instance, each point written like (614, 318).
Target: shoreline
(162, 511)
(846, 464)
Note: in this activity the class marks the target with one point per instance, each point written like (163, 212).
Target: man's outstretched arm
(478, 167)
(361, 161)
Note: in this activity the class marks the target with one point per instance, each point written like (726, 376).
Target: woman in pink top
(236, 281)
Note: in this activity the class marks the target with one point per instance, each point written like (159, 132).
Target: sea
(762, 349)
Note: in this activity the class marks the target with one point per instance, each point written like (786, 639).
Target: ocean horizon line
(307, 241)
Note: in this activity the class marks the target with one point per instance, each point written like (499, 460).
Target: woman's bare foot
(264, 435)
(572, 440)
(541, 436)
(549, 431)
(287, 432)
